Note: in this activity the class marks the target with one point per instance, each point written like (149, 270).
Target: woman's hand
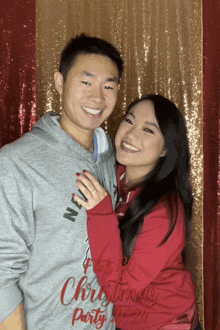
(91, 189)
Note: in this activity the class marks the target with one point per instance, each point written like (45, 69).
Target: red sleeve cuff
(104, 207)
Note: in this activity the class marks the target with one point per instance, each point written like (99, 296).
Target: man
(44, 249)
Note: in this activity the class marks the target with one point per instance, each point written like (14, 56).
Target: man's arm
(16, 235)
(15, 321)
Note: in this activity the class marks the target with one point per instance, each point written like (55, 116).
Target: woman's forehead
(143, 109)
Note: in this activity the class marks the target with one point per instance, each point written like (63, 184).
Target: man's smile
(95, 113)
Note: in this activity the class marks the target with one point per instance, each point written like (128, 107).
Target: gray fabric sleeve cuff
(10, 298)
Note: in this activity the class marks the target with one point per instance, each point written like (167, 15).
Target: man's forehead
(93, 65)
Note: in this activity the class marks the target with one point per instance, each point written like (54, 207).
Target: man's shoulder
(21, 146)
(28, 143)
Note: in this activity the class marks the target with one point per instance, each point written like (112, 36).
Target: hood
(49, 131)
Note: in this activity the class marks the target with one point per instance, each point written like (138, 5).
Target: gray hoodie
(44, 248)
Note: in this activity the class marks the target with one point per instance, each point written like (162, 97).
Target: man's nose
(97, 95)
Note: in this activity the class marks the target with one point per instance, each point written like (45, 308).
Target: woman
(137, 251)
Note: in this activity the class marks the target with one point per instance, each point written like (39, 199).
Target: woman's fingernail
(74, 195)
(77, 174)
(84, 171)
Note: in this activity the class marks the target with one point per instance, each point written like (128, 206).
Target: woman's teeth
(129, 146)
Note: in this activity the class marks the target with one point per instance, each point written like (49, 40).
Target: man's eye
(86, 82)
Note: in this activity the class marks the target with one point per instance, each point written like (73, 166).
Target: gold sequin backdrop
(161, 44)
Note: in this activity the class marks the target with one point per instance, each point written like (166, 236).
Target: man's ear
(58, 81)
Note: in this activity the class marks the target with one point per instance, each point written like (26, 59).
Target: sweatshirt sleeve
(16, 233)
(148, 258)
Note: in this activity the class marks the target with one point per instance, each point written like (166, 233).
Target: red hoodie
(154, 290)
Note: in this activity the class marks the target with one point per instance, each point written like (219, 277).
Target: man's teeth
(129, 146)
(92, 111)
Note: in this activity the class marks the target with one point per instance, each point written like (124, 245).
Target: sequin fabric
(17, 68)
(161, 44)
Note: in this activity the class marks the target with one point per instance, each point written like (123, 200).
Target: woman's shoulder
(157, 222)
(164, 210)
(166, 203)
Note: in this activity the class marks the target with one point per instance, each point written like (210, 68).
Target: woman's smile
(127, 147)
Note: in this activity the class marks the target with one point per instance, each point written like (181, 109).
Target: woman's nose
(133, 133)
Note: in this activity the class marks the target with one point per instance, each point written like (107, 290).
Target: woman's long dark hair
(170, 177)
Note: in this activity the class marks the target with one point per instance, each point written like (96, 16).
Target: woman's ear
(164, 152)
(59, 82)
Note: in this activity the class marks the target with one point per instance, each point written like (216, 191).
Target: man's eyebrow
(113, 79)
(89, 74)
(146, 122)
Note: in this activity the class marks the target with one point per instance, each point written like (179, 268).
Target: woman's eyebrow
(152, 124)
(146, 122)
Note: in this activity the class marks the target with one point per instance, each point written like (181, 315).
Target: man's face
(89, 93)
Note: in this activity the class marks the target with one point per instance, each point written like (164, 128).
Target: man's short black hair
(84, 44)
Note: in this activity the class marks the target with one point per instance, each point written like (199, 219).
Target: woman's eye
(108, 87)
(127, 120)
(148, 130)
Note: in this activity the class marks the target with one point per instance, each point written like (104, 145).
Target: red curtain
(17, 67)
(211, 13)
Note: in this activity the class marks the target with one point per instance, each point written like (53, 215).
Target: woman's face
(139, 141)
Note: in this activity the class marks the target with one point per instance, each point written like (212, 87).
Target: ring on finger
(93, 192)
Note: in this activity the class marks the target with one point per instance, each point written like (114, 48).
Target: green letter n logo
(70, 216)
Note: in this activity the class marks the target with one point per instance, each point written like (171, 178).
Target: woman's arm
(148, 258)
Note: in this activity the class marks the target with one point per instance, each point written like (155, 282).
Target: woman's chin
(121, 160)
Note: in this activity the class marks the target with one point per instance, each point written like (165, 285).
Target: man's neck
(82, 136)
